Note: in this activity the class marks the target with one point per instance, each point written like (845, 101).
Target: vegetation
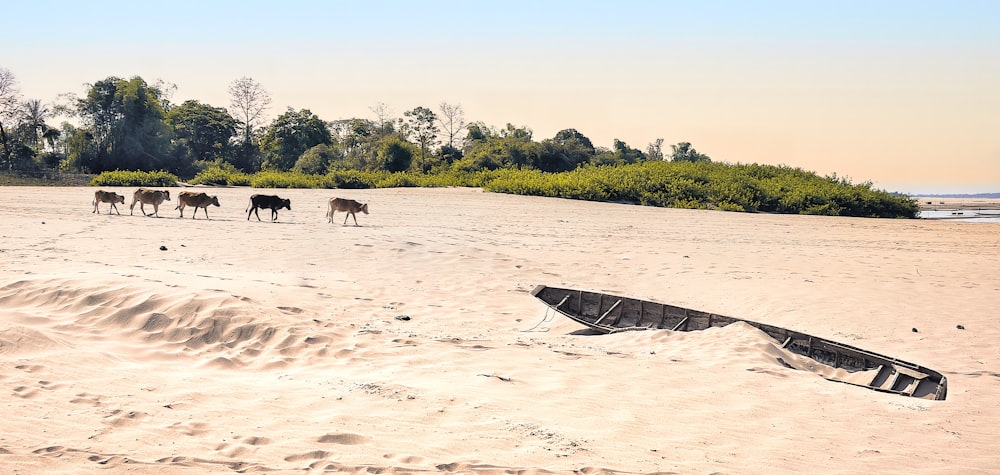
(130, 134)
(134, 178)
(696, 185)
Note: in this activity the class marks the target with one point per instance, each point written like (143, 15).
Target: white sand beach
(411, 344)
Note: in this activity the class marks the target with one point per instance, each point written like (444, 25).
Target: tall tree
(452, 122)
(202, 132)
(34, 113)
(654, 151)
(423, 123)
(10, 97)
(383, 118)
(290, 135)
(248, 103)
(567, 150)
(684, 152)
(125, 121)
(357, 140)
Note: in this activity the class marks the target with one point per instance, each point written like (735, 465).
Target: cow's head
(215, 200)
(364, 208)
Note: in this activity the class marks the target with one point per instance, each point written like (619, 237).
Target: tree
(394, 154)
(654, 151)
(201, 132)
(512, 131)
(248, 103)
(684, 152)
(289, 136)
(512, 147)
(423, 123)
(317, 159)
(452, 122)
(356, 139)
(33, 132)
(34, 113)
(383, 118)
(567, 150)
(125, 121)
(10, 97)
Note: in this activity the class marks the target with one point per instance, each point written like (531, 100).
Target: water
(963, 215)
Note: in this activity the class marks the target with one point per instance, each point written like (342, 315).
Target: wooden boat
(610, 314)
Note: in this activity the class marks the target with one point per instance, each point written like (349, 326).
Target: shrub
(216, 175)
(134, 178)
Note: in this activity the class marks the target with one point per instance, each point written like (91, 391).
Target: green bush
(134, 178)
(276, 179)
(215, 175)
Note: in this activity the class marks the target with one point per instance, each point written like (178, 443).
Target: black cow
(271, 202)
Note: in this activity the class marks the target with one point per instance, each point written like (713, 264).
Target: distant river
(971, 215)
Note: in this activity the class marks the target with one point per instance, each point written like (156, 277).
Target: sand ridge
(167, 345)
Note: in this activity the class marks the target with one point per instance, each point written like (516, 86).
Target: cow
(101, 196)
(197, 200)
(271, 202)
(150, 197)
(350, 206)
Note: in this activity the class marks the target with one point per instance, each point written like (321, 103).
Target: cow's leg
(95, 208)
(156, 210)
(115, 208)
(180, 208)
(355, 215)
(274, 215)
(331, 217)
(131, 207)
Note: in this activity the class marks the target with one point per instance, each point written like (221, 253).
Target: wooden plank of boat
(607, 313)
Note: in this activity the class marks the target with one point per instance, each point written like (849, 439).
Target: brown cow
(150, 197)
(101, 196)
(197, 200)
(350, 206)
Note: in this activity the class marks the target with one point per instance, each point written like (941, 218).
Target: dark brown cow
(197, 200)
(101, 196)
(350, 206)
(149, 197)
(267, 201)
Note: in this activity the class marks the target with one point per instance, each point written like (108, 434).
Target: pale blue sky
(902, 93)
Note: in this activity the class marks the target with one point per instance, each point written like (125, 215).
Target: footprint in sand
(313, 455)
(343, 439)
(25, 392)
(30, 368)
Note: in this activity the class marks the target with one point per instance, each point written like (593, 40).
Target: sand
(411, 344)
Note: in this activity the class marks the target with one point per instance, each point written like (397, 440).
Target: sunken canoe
(607, 313)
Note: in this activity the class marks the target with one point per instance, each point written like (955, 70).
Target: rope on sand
(545, 318)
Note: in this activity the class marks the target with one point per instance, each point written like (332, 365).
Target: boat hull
(608, 313)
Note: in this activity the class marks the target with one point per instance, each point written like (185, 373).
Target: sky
(903, 94)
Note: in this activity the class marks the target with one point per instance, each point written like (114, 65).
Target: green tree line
(132, 125)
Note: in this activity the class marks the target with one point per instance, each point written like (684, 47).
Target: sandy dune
(410, 344)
